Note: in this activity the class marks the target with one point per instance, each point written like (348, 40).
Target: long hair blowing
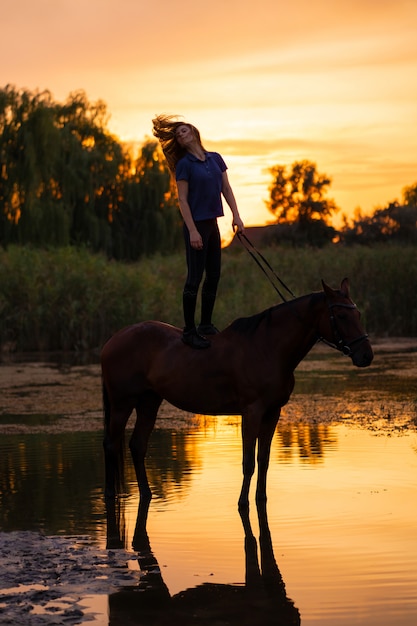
(164, 127)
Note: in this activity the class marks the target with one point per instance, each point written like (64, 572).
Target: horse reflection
(261, 600)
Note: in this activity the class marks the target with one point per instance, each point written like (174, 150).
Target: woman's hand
(238, 225)
(196, 240)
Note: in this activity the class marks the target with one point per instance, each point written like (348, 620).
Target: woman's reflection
(261, 600)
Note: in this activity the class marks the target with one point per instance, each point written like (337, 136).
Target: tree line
(298, 200)
(66, 180)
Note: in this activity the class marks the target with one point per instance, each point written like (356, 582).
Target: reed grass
(68, 299)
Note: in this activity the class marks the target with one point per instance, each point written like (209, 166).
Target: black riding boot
(190, 335)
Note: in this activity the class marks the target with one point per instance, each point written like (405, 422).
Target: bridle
(339, 343)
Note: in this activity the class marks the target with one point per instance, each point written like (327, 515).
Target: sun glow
(331, 495)
(329, 82)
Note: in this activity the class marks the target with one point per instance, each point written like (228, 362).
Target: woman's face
(184, 135)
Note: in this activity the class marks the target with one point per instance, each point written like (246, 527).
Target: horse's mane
(250, 324)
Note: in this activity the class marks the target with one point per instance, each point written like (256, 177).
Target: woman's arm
(195, 237)
(227, 192)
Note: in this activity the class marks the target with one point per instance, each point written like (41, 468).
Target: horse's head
(340, 326)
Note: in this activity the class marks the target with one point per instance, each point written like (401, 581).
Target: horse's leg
(113, 538)
(113, 443)
(146, 410)
(266, 434)
(250, 430)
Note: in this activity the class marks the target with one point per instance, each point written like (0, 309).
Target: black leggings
(209, 260)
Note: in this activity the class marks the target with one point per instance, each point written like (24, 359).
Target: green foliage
(68, 299)
(382, 280)
(394, 223)
(410, 195)
(148, 218)
(64, 299)
(65, 180)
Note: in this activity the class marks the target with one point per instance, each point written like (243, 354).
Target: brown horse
(247, 371)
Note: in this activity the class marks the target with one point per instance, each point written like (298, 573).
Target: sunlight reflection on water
(342, 517)
(342, 508)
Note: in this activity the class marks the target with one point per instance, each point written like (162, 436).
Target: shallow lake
(342, 502)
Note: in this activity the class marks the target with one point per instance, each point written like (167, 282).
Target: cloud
(265, 82)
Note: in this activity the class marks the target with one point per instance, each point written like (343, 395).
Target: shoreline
(35, 387)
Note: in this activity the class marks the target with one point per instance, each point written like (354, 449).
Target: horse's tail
(114, 451)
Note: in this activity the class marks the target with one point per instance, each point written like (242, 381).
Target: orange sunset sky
(266, 82)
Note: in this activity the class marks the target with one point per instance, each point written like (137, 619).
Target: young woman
(201, 178)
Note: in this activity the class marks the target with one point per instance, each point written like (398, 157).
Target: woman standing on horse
(201, 178)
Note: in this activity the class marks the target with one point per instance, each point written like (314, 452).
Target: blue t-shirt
(204, 184)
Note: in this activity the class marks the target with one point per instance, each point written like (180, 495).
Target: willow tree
(65, 179)
(29, 149)
(147, 219)
(59, 169)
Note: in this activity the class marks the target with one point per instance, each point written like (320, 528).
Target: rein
(339, 344)
(247, 244)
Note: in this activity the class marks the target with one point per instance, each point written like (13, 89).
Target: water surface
(342, 497)
(342, 507)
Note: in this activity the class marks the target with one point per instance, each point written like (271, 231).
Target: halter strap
(341, 344)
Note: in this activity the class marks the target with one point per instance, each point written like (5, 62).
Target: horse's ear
(327, 290)
(344, 287)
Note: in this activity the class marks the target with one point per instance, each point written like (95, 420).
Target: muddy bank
(46, 396)
(58, 581)
(46, 580)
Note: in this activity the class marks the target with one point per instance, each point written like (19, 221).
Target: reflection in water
(309, 441)
(176, 459)
(261, 600)
(342, 505)
(61, 475)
